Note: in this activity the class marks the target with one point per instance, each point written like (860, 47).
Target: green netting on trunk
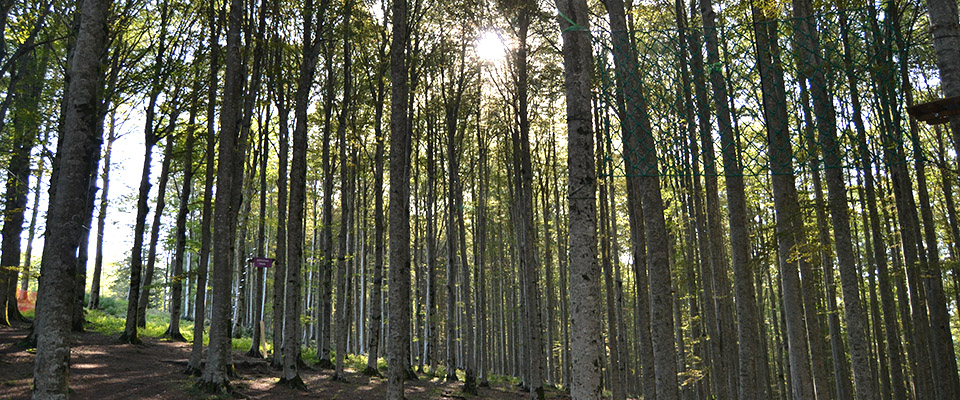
(851, 46)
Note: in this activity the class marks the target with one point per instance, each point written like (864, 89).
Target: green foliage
(110, 319)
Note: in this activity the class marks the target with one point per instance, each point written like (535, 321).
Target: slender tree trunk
(102, 218)
(785, 203)
(748, 319)
(176, 297)
(147, 280)
(326, 268)
(200, 303)
(344, 290)
(376, 287)
(279, 271)
(79, 144)
(854, 311)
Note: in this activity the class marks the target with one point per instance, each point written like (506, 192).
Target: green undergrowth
(111, 318)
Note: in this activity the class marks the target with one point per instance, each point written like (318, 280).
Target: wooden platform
(936, 112)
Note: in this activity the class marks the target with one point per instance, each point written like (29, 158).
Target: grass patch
(111, 319)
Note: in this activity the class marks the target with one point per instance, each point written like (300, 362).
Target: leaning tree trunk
(856, 317)
(643, 181)
(946, 42)
(584, 270)
(298, 175)
(79, 145)
(130, 334)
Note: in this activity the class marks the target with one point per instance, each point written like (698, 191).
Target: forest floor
(102, 368)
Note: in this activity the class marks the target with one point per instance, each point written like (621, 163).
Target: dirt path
(103, 369)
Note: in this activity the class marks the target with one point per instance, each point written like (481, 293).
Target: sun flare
(490, 47)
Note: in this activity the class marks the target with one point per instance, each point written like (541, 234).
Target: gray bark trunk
(79, 144)
(200, 301)
(584, 270)
(785, 203)
(399, 273)
(147, 279)
(218, 369)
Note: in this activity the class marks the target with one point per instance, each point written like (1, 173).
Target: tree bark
(79, 144)
(102, 218)
(176, 282)
(399, 274)
(785, 203)
(200, 302)
(218, 369)
(344, 289)
(584, 270)
(26, 123)
(147, 280)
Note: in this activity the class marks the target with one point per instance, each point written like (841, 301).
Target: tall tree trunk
(26, 123)
(102, 218)
(150, 139)
(200, 302)
(399, 274)
(613, 340)
(326, 268)
(279, 271)
(217, 370)
(945, 29)
(176, 282)
(378, 92)
(641, 160)
(584, 271)
(892, 337)
(261, 251)
(785, 203)
(748, 318)
(430, 342)
(344, 290)
(147, 279)
(854, 312)
(79, 144)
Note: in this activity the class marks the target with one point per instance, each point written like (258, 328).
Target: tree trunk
(344, 290)
(79, 144)
(399, 274)
(326, 268)
(378, 92)
(147, 280)
(176, 283)
(102, 218)
(584, 271)
(217, 370)
(26, 123)
(785, 204)
(200, 302)
(279, 267)
(854, 311)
